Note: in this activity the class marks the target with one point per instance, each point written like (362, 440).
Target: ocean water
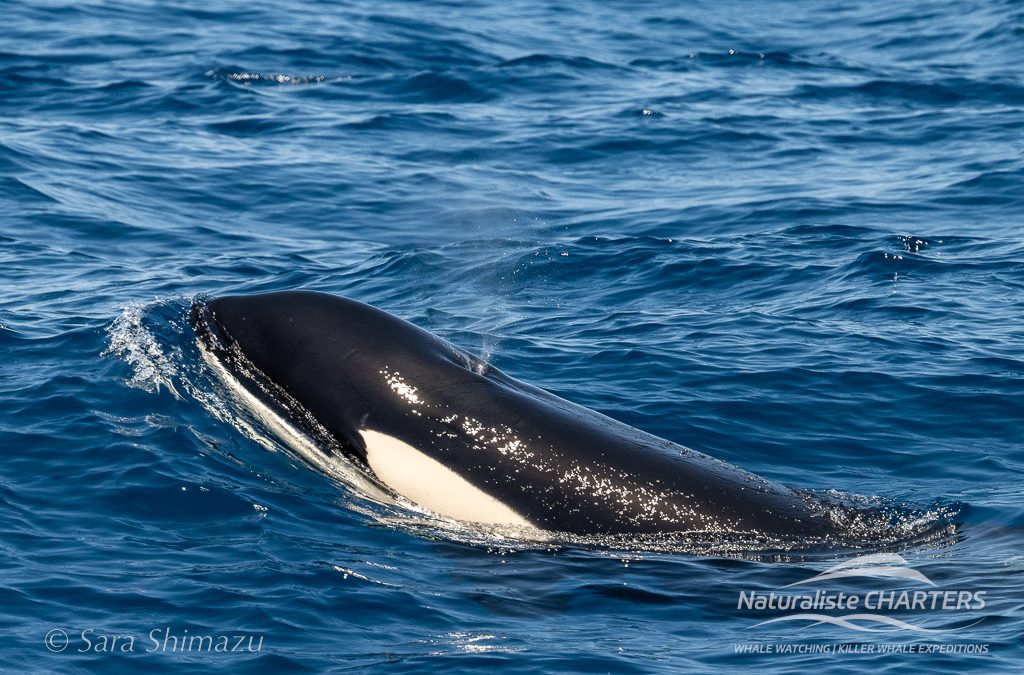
(788, 235)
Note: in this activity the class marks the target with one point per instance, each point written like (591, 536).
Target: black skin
(561, 466)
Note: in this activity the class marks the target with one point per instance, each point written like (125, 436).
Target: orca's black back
(562, 466)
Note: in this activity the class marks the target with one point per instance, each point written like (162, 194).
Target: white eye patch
(432, 485)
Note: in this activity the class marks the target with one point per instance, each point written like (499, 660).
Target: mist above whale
(445, 430)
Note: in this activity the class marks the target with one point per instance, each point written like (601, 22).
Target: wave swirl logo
(866, 612)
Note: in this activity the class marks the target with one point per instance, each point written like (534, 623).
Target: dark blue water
(787, 234)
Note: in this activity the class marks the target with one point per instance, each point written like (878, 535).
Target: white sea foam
(132, 341)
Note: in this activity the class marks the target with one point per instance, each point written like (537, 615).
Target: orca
(442, 428)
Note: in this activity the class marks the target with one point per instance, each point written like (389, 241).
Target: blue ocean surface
(789, 235)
